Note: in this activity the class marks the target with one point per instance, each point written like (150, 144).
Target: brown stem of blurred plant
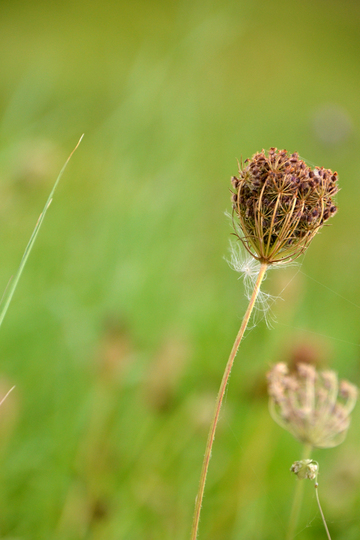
(298, 497)
(219, 400)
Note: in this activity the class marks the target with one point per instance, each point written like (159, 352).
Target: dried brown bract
(280, 204)
(313, 406)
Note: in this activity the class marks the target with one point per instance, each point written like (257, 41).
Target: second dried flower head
(280, 204)
(313, 406)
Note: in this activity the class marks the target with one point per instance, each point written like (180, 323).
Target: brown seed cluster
(313, 406)
(281, 203)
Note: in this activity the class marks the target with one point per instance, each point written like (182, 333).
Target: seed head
(313, 406)
(280, 204)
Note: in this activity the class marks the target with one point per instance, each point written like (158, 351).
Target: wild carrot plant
(315, 408)
(279, 204)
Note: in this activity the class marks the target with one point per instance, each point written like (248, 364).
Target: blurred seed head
(307, 349)
(313, 406)
(280, 203)
(35, 161)
(165, 371)
(116, 351)
(305, 469)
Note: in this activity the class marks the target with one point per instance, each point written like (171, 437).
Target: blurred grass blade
(13, 284)
(6, 395)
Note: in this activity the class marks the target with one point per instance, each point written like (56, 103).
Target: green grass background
(124, 317)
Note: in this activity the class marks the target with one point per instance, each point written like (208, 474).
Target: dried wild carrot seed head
(280, 204)
(313, 406)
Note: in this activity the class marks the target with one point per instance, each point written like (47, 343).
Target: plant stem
(299, 491)
(219, 400)
(321, 512)
(9, 292)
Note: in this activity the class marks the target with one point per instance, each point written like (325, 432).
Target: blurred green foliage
(123, 320)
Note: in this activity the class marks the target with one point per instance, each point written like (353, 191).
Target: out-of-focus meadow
(124, 317)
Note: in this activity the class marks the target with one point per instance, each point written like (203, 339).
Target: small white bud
(306, 469)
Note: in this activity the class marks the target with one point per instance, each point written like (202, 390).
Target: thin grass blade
(13, 284)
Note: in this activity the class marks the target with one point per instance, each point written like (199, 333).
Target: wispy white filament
(248, 268)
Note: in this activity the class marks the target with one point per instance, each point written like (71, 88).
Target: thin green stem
(7, 297)
(321, 512)
(219, 400)
(298, 497)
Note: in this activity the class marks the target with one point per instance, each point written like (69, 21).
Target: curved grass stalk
(219, 400)
(9, 292)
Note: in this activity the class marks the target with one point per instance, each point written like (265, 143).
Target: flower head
(280, 204)
(313, 406)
